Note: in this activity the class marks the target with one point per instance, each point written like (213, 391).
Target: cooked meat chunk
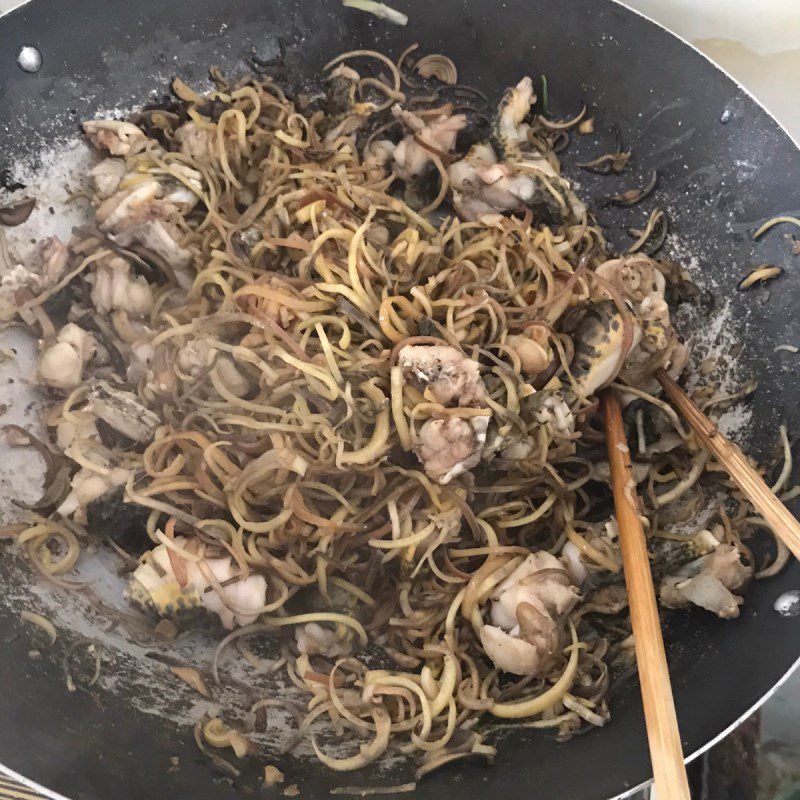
(196, 141)
(314, 639)
(451, 377)
(555, 413)
(114, 287)
(61, 363)
(533, 354)
(118, 137)
(482, 186)
(448, 447)
(527, 616)
(107, 176)
(410, 157)
(709, 582)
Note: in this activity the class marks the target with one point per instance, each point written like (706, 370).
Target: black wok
(724, 166)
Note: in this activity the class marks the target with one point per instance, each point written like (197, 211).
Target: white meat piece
(87, 485)
(198, 354)
(571, 555)
(16, 279)
(118, 209)
(449, 447)
(709, 582)
(196, 141)
(114, 287)
(248, 595)
(61, 364)
(451, 377)
(725, 564)
(142, 354)
(233, 378)
(657, 346)
(410, 157)
(603, 537)
(184, 194)
(180, 196)
(83, 427)
(200, 144)
(141, 215)
(194, 356)
(116, 136)
(704, 591)
(519, 450)
(551, 593)
(314, 639)
(555, 413)
(377, 156)
(529, 606)
(654, 308)
(48, 267)
(510, 653)
(156, 577)
(529, 648)
(107, 176)
(482, 186)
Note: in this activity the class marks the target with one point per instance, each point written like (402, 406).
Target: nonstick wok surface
(718, 180)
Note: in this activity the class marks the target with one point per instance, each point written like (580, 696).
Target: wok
(724, 166)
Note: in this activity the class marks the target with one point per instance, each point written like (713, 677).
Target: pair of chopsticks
(666, 753)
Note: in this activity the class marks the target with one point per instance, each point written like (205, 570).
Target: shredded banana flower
(331, 374)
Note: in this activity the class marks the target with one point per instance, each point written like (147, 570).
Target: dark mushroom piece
(17, 211)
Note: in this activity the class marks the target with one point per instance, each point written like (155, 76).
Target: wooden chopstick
(666, 753)
(751, 484)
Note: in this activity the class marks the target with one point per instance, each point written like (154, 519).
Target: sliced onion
(367, 752)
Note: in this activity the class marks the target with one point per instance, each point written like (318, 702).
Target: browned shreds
(191, 676)
(272, 776)
(166, 630)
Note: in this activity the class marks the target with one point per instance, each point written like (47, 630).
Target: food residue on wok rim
(347, 416)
